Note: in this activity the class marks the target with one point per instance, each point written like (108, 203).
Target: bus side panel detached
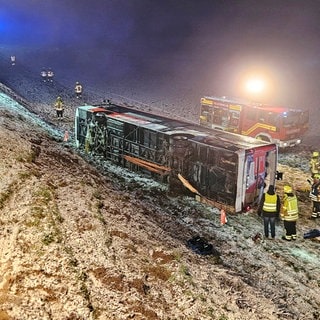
(222, 169)
(280, 125)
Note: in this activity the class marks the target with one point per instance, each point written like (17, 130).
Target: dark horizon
(204, 46)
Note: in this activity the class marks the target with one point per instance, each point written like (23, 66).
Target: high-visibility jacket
(59, 105)
(78, 88)
(270, 203)
(315, 192)
(290, 209)
(314, 166)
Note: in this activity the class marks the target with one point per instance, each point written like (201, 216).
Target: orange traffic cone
(66, 136)
(223, 217)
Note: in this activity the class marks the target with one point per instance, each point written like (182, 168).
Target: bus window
(250, 172)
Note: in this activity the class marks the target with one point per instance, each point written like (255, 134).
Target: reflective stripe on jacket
(314, 192)
(78, 88)
(270, 203)
(59, 105)
(290, 208)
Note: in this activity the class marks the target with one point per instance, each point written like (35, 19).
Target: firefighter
(13, 60)
(59, 106)
(43, 74)
(50, 75)
(314, 163)
(269, 209)
(78, 90)
(289, 213)
(315, 196)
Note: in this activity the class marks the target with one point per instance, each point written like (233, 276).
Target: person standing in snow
(78, 90)
(50, 75)
(315, 196)
(314, 164)
(43, 74)
(13, 60)
(289, 214)
(269, 209)
(59, 106)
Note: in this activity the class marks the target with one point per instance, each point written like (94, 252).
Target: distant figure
(66, 136)
(106, 102)
(315, 196)
(314, 164)
(13, 60)
(59, 106)
(289, 214)
(78, 90)
(50, 75)
(43, 74)
(269, 209)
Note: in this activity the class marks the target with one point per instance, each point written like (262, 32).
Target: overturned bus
(222, 169)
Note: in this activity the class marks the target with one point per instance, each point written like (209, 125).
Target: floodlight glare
(255, 85)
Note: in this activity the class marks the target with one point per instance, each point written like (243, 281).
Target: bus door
(261, 173)
(255, 176)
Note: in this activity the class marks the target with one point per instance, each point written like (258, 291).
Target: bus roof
(223, 139)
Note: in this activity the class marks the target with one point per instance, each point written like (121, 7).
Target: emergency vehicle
(280, 125)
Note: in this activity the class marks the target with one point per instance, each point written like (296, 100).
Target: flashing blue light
(4, 23)
(20, 27)
(11, 28)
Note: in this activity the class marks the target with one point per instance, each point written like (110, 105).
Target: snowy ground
(85, 242)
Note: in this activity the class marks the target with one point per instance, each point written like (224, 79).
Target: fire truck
(280, 125)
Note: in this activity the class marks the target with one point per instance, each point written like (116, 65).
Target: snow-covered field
(87, 242)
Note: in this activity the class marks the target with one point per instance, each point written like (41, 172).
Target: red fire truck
(280, 125)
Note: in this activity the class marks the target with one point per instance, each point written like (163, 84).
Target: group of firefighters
(271, 207)
(47, 75)
(59, 104)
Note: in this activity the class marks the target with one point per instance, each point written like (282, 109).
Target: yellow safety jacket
(59, 105)
(270, 203)
(314, 166)
(290, 209)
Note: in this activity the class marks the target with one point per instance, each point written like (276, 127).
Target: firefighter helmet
(316, 176)
(287, 189)
(315, 154)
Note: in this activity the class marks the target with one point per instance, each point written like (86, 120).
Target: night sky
(208, 46)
